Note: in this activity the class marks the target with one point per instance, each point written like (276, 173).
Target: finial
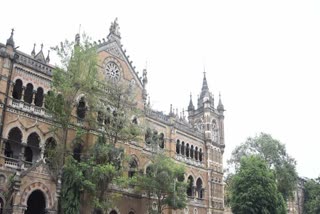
(191, 106)
(220, 106)
(171, 109)
(48, 58)
(33, 53)
(10, 41)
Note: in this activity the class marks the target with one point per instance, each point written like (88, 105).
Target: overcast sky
(263, 56)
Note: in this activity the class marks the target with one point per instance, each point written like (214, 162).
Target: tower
(209, 120)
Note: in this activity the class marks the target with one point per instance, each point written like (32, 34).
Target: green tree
(276, 157)
(107, 107)
(164, 181)
(312, 196)
(253, 189)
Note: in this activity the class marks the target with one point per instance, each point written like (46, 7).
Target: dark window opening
(49, 147)
(133, 167)
(161, 141)
(36, 203)
(38, 100)
(135, 120)
(28, 154)
(191, 152)
(81, 109)
(113, 212)
(190, 186)
(148, 136)
(17, 90)
(200, 155)
(33, 148)
(187, 150)
(77, 152)
(28, 93)
(182, 148)
(196, 154)
(199, 188)
(178, 147)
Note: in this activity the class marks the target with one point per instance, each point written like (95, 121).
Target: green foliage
(93, 175)
(253, 189)
(162, 182)
(276, 157)
(312, 196)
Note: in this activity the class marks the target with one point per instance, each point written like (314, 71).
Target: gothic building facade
(26, 184)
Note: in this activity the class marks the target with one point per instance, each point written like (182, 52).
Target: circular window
(112, 71)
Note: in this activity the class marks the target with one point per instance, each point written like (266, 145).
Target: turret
(220, 106)
(10, 41)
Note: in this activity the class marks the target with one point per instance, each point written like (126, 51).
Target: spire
(220, 106)
(33, 53)
(114, 33)
(191, 106)
(48, 58)
(10, 41)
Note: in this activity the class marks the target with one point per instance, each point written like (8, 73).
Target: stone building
(25, 129)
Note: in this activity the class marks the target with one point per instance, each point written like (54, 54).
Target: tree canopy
(253, 189)
(274, 154)
(164, 181)
(312, 196)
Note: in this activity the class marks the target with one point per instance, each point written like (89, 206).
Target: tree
(253, 189)
(312, 196)
(82, 101)
(164, 180)
(276, 157)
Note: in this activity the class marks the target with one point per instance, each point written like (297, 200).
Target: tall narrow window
(38, 100)
(28, 94)
(17, 90)
(187, 150)
(32, 151)
(182, 148)
(178, 147)
(191, 152)
(161, 141)
(190, 186)
(200, 155)
(81, 108)
(196, 154)
(199, 188)
(77, 151)
(133, 167)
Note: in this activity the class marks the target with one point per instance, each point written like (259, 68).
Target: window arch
(199, 188)
(187, 150)
(17, 89)
(113, 212)
(81, 108)
(133, 167)
(196, 153)
(32, 151)
(191, 152)
(190, 186)
(28, 93)
(182, 148)
(38, 100)
(161, 140)
(77, 149)
(178, 147)
(200, 155)
(13, 145)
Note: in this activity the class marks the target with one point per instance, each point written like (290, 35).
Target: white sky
(262, 55)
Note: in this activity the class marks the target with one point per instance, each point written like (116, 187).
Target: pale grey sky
(262, 55)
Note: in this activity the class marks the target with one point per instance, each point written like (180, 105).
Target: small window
(81, 108)
(17, 90)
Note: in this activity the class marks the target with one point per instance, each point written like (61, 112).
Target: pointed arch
(28, 93)
(38, 100)
(17, 89)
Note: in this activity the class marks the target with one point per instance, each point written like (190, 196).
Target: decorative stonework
(37, 186)
(112, 69)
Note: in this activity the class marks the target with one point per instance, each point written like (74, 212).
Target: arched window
(17, 90)
(182, 148)
(161, 141)
(149, 171)
(113, 212)
(190, 186)
(28, 93)
(81, 108)
(133, 167)
(77, 151)
(32, 151)
(199, 188)
(200, 155)
(38, 100)
(178, 147)
(196, 154)
(148, 136)
(13, 145)
(191, 152)
(187, 150)
(49, 147)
